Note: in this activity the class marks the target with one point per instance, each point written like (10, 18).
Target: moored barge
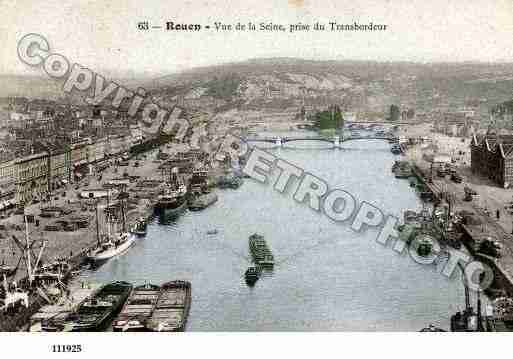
(172, 309)
(95, 313)
(137, 309)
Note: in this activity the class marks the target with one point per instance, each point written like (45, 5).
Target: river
(327, 277)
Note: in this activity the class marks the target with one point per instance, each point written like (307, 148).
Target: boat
(173, 199)
(140, 227)
(203, 201)
(95, 313)
(60, 316)
(396, 149)
(431, 329)
(230, 181)
(60, 322)
(251, 275)
(199, 181)
(260, 252)
(172, 309)
(115, 245)
(137, 309)
(501, 319)
(403, 171)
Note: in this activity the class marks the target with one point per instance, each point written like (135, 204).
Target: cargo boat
(251, 276)
(260, 252)
(95, 313)
(137, 309)
(203, 201)
(172, 309)
(173, 199)
(199, 182)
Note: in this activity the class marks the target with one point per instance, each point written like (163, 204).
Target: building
(59, 164)
(58, 161)
(458, 124)
(79, 158)
(503, 113)
(7, 175)
(492, 157)
(20, 120)
(98, 153)
(31, 177)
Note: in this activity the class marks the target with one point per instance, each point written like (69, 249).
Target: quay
(483, 227)
(78, 292)
(142, 182)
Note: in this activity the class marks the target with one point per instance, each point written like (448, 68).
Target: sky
(103, 35)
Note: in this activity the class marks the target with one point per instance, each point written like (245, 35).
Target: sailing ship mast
(97, 225)
(123, 214)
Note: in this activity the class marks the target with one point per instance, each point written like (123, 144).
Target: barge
(172, 309)
(137, 309)
(95, 313)
(203, 201)
(262, 255)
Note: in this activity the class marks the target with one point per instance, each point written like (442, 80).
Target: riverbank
(485, 225)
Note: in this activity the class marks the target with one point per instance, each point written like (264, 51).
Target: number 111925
(66, 348)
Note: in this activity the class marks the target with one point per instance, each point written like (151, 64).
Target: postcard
(259, 166)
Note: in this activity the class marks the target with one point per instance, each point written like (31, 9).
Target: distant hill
(423, 86)
(29, 86)
(282, 82)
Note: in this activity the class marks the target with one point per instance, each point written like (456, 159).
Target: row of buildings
(51, 165)
(457, 123)
(45, 144)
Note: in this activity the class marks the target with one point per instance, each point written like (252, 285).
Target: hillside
(281, 83)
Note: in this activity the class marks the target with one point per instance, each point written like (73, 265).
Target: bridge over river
(335, 140)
